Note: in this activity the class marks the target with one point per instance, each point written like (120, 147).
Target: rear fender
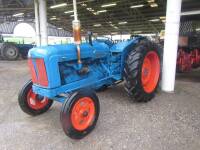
(125, 48)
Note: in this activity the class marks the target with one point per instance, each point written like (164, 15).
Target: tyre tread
(132, 69)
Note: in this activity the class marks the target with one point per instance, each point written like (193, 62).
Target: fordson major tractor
(71, 74)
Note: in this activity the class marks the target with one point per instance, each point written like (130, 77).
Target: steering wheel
(106, 40)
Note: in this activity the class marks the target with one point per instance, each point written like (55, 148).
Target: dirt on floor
(168, 122)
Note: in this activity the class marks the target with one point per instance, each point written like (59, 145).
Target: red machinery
(187, 60)
(188, 55)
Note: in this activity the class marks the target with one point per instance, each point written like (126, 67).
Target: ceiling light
(95, 13)
(150, 1)
(58, 5)
(154, 20)
(124, 22)
(198, 29)
(162, 17)
(54, 18)
(112, 25)
(69, 12)
(71, 15)
(109, 5)
(137, 6)
(84, 5)
(19, 14)
(101, 11)
(89, 8)
(163, 21)
(114, 33)
(195, 12)
(60, 28)
(137, 32)
(154, 5)
(97, 25)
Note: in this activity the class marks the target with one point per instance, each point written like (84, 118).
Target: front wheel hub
(83, 113)
(35, 101)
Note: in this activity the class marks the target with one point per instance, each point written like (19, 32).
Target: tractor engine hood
(68, 52)
(44, 61)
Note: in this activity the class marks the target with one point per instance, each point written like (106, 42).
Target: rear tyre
(142, 71)
(79, 114)
(10, 52)
(31, 103)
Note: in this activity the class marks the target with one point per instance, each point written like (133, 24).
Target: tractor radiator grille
(38, 71)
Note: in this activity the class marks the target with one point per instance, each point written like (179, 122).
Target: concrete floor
(168, 122)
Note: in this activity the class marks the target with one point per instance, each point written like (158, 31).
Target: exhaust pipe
(77, 31)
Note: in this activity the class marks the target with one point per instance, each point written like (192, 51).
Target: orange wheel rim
(36, 102)
(150, 71)
(83, 113)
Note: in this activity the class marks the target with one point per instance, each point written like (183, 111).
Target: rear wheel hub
(150, 71)
(11, 52)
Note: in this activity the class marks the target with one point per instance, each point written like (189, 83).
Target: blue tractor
(71, 74)
(56, 76)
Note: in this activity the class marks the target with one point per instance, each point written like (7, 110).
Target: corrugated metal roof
(8, 28)
(145, 18)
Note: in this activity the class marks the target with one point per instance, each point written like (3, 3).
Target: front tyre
(79, 114)
(142, 71)
(31, 103)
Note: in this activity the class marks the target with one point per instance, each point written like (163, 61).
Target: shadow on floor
(193, 76)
